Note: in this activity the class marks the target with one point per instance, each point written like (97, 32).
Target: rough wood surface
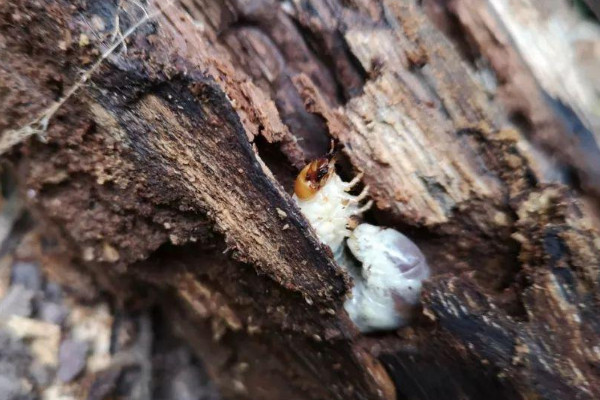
(539, 60)
(169, 172)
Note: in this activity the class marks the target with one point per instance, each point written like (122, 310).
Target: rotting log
(544, 58)
(169, 171)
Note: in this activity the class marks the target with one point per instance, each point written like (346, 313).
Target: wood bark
(545, 62)
(167, 174)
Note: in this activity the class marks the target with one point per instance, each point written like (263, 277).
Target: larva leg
(364, 208)
(361, 196)
(348, 186)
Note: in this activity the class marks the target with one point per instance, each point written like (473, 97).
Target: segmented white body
(393, 269)
(388, 285)
(329, 212)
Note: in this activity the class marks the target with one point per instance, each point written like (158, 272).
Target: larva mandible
(388, 284)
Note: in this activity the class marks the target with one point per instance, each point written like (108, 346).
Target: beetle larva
(388, 285)
(324, 200)
(393, 269)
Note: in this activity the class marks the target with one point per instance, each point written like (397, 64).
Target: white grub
(331, 209)
(389, 285)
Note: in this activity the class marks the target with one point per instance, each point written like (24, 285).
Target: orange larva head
(313, 177)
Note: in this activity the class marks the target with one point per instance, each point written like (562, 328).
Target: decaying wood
(170, 171)
(544, 57)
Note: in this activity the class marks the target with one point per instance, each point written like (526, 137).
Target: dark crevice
(278, 164)
(355, 63)
(433, 375)
(310, 130)
(345, 88)
(240, 23)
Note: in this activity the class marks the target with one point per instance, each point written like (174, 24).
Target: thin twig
(39, 125)
(117, 23)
